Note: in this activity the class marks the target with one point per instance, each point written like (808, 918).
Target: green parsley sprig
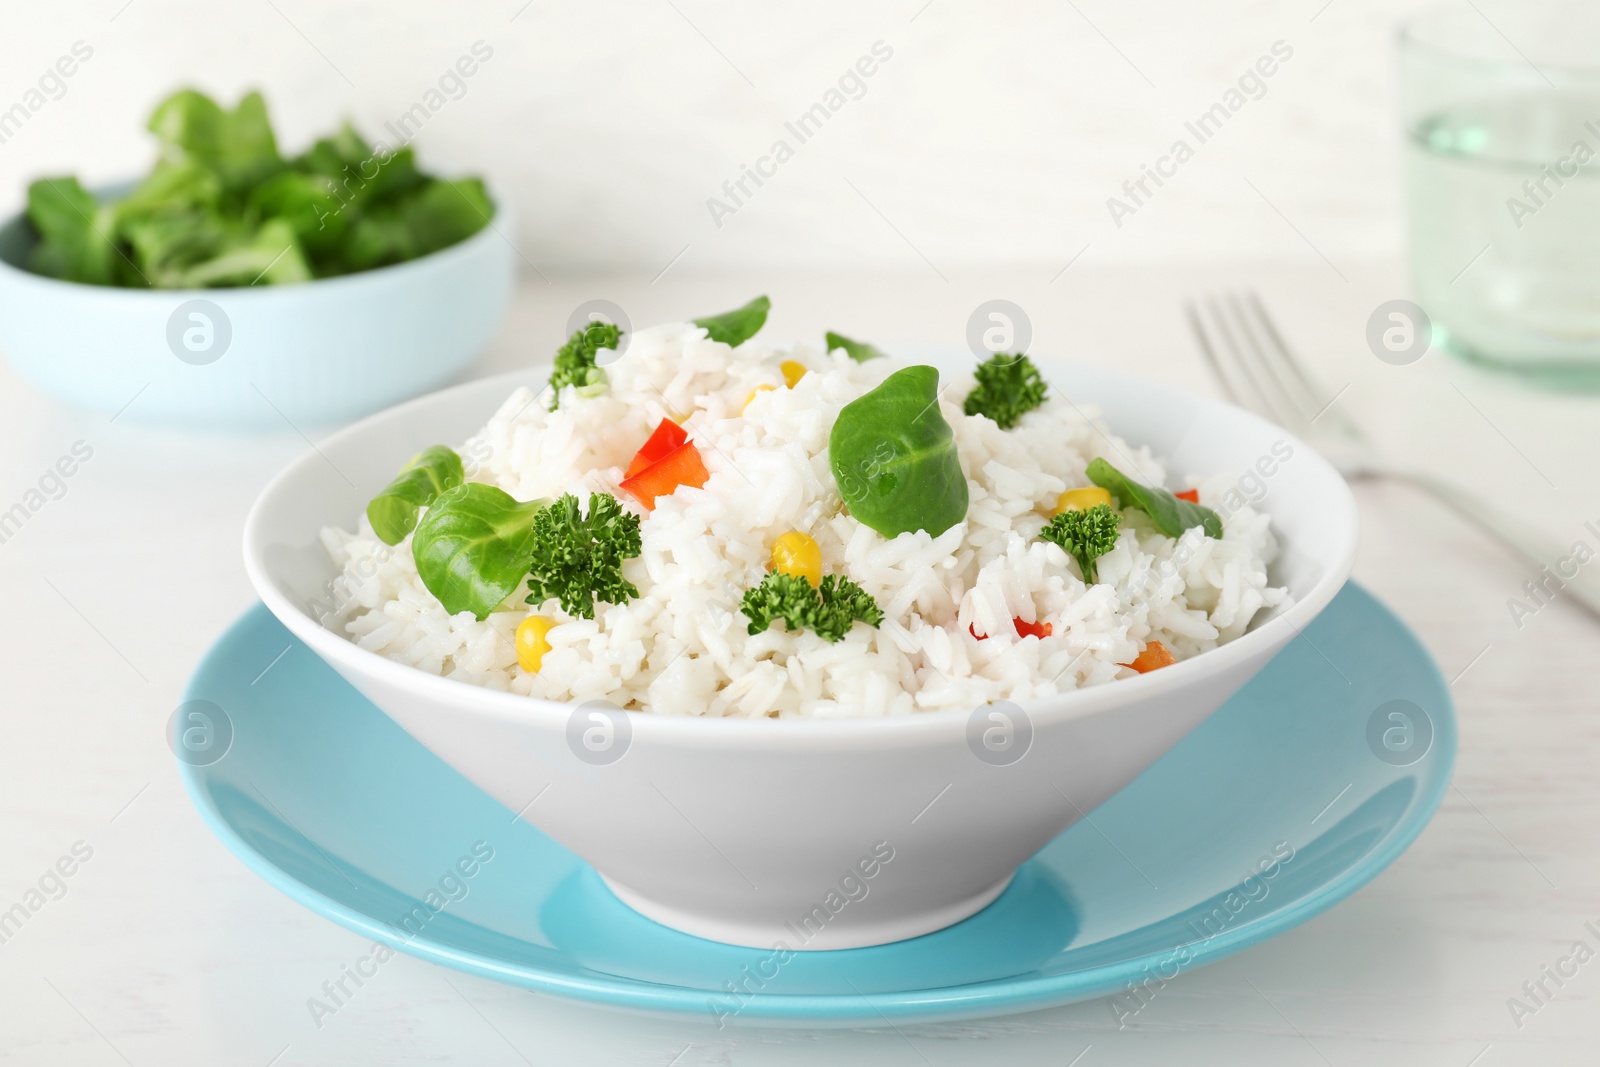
(829, 610)
(1085, 535)
(578, 558)
(1009, 386)
(575, 360)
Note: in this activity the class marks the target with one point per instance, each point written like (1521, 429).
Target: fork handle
(1565, 577)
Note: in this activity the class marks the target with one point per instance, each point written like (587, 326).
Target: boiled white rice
(681, 647)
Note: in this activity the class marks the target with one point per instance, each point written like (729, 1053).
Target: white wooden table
(165, 950)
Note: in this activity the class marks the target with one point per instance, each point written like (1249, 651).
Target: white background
(995, 133)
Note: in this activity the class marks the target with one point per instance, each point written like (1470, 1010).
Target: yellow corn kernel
(798, 556)
(1082, 499)
(752, 396)
(531, 641)
(792, 372)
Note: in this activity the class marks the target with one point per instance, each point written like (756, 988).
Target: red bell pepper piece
(667, 436)
(681, 466)
(1191, 495)
(1153, 656)
(1032, 629)
(1024, 629)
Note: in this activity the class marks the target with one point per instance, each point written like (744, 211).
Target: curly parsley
(829, 610)
(1085, 535)
(1009, 386)
(575, 360)
(578, 558)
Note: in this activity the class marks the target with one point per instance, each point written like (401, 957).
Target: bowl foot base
(838, 933)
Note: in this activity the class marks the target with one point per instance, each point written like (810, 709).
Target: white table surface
(166, 950)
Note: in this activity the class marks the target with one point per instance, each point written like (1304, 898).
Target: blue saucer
(1297, 792)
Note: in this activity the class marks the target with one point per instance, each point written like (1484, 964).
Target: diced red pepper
(1032, 629)
(681, 466)
(1152, 657)
(1024, 629)
(667, 436)
(1191, 495)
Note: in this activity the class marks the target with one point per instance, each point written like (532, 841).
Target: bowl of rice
(801, 646)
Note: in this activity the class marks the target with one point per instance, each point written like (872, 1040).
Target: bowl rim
(11, 273)
(742, 732)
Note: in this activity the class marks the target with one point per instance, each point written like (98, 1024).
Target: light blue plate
(1297, 792)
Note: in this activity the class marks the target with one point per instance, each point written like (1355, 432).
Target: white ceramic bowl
(760, 832)
(311, 354)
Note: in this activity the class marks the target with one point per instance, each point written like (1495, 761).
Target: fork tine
(1197, 327)
(1265, 366)
(1233, 344)
(1311, 389)
(1221, 350)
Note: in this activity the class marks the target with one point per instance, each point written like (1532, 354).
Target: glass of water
(1502, 120)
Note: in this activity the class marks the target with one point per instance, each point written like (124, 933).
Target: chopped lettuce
(223, 207)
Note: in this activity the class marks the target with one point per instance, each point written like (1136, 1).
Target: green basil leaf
(173, 188)
(238, 145)
(859, 351)
(76, 232)
(1171, 515)
(61, 209)
(438, 214)
(393, 512)
(737, 326)
(894, 457)
(308, 204)
(474, 547)
(338, 156)
(271, 255)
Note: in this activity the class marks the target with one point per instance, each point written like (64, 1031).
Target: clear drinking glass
(1502, 123)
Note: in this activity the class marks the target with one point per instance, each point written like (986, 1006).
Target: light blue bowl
(255, 358)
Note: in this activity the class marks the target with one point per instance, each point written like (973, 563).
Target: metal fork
(1257, 369)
